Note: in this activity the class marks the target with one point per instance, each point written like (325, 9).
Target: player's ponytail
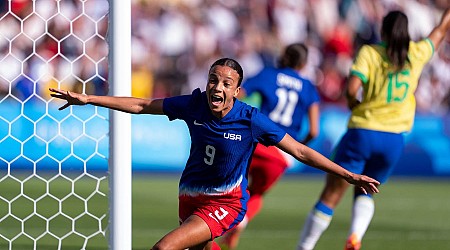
(394, 32)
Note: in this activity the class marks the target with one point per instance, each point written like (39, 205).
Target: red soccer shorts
(220, 212)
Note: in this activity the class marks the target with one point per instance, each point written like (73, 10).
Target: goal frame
(120, 167)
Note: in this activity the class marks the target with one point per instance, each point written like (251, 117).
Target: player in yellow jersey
(388, 74)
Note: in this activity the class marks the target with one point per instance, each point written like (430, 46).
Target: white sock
(316, 223)
(362, 214)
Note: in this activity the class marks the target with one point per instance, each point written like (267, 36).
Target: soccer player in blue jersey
(388, 74)
(286, 98)
(224, 132)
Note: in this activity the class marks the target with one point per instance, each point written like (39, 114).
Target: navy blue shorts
(368, 152)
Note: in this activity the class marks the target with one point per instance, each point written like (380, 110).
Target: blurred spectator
(174, 41)
(23, 88)
(290, 18)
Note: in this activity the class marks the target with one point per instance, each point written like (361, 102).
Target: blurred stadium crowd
(175, 41)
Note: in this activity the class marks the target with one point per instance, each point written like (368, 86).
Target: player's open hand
(72, 98)
(367, 184)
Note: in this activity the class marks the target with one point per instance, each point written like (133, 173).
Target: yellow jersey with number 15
(388, 103)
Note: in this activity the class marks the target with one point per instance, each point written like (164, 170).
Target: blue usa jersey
(220, 148)
(286, 96)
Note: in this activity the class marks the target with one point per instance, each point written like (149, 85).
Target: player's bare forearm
(314, 159)
(313, 118)
(353, 86)
(311, 157)
(125, 104)
(439, 32)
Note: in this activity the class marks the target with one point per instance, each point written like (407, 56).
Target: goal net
(53, 164)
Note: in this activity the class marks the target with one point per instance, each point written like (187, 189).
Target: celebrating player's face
(221, 89)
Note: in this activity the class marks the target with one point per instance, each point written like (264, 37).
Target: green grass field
(411, 214)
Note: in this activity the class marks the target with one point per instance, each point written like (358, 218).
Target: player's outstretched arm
(314, 159)
(439, 32)
(125, 104)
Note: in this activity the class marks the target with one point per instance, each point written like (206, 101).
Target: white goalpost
(120, 140)
(65, 176)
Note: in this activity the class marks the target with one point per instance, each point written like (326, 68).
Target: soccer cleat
(352, 243)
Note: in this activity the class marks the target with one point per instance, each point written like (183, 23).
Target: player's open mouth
(216, 100)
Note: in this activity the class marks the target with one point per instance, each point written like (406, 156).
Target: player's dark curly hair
(294, 56)
(394, 31)
(232, 64)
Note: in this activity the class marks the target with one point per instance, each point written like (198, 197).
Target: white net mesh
(53, 164)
